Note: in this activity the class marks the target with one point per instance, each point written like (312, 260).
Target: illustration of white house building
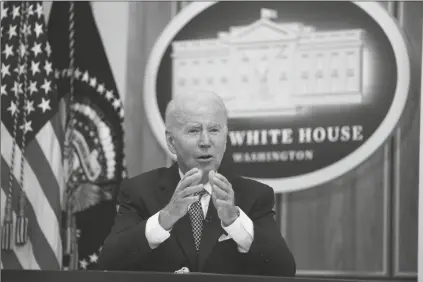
(268, 68)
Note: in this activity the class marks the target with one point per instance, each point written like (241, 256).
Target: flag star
(29, 106)
(16, 11)
(70, 72)
(116, 103)
(27, 29)
(22, 50)
(3, 90)
(93, 258)
(3, 12)
(44, 105)
(48, 49)
(57, 74)
(93, 82)
(48, 68)
(35, 67)
(12, 108)
(85, 77)
(121, 113)
(83, 263)
(27, 126)
(39, 10)
(109, 95)
(100, 88)
(30, 10)
(12, 31)
(17, 88)
(32, 87)
(21, 69)
(36, 49)
(46, 86)
(38, 29)
(77, 73)
(8, 50)
(4, 70)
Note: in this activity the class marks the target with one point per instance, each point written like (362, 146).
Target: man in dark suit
(195, 216)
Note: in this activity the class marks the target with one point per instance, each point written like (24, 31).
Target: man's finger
(190, 172)
(221, 177)
(211, 176)
(192, 199)
(191, 190)
(222, 185)
(219, 193)
(192, 179)
(214, 199)
(220, 202)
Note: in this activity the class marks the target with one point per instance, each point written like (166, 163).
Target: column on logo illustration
(329, 69)
(200, 64)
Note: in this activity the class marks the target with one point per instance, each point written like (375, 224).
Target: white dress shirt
(241, 230)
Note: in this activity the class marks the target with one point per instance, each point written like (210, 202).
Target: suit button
(266, 261)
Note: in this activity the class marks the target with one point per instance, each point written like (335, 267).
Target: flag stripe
(50, 146)
(46, 217)
(24, 254)
(40, 169)
(42, 251)
(10, 261)
(56, 124)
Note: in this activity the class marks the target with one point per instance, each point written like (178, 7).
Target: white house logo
(310, 95)
(267, 68)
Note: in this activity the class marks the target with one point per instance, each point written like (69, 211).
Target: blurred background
(362, 224)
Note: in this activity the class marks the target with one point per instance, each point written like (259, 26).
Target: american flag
(30, 116)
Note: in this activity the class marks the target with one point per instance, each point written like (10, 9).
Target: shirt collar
(207, 186)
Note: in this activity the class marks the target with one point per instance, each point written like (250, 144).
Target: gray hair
(175, 108)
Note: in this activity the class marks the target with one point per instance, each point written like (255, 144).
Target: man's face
(198, 138)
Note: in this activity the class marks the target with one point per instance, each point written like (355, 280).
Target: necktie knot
(200, 193)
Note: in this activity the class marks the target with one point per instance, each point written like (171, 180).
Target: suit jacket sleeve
(126, 244)
(269, 253)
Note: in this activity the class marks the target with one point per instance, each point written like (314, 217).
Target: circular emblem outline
(325, 174)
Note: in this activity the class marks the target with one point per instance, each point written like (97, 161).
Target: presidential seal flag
(94, 157)
(31, 142)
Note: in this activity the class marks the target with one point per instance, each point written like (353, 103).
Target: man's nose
(204, 139)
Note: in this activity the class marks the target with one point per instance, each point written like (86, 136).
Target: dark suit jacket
(126, 248)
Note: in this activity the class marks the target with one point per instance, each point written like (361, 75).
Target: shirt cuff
(241, 231)
(154, 232)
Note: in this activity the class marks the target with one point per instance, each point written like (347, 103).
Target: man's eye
(193, 131)
(214, 130)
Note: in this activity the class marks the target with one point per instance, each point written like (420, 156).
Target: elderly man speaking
(193, 216)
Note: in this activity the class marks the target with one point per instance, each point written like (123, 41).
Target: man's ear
(170, 141)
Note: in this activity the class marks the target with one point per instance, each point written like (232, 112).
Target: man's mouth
(205, 157)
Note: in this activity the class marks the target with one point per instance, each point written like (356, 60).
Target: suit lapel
(168, 180)
(211, 233)
(183, 233)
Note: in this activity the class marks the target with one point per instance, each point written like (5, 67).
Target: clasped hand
(222, 197)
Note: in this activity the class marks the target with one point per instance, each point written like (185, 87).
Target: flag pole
(21, 235)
